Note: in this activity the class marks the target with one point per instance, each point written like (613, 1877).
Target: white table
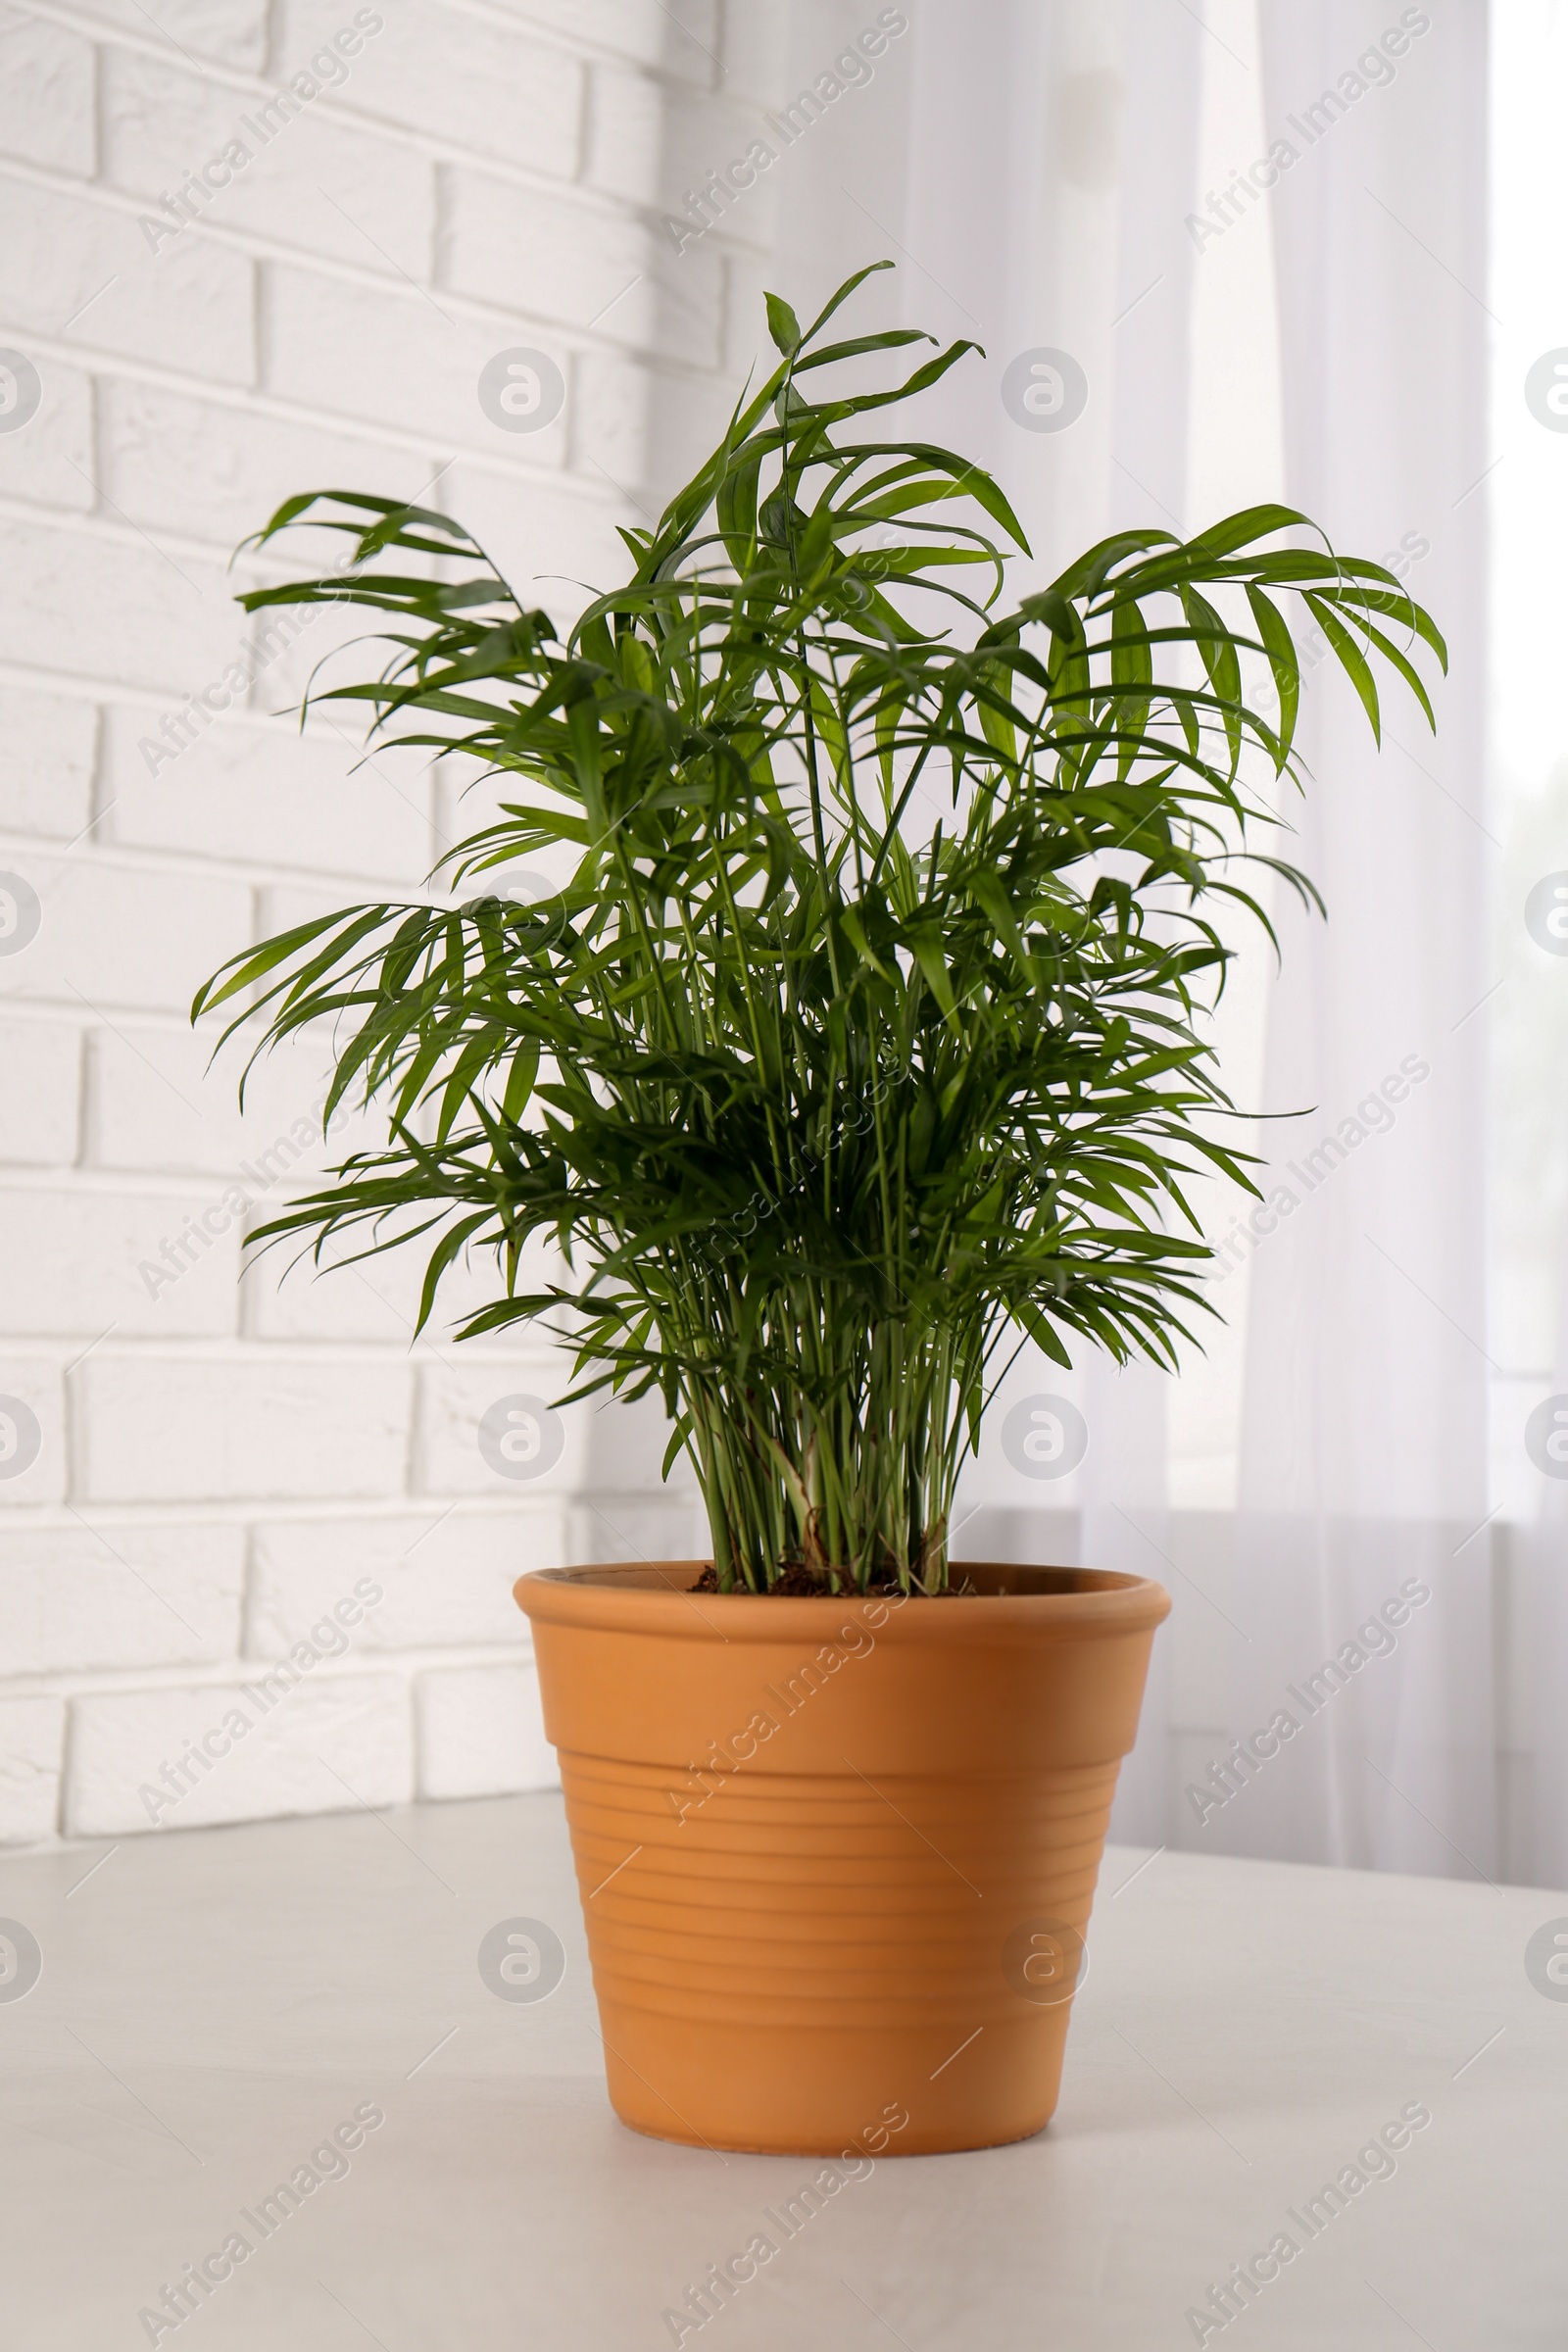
(213, 2003)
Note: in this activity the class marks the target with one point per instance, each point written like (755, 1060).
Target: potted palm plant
(862, 1043)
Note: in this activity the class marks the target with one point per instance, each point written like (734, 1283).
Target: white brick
(285, 906)
(50, 460)
(46, 93)
(686, 420)
(756, 50)
(747, 346)
(703, 136)
(312, 648)
(689, 42)
(625, 134)
(550, 257)
(111, 936)
(610, 1527)
(545, 541)
(287, 1297)
(24, 1381)
(82, 595)
(218, 472)
(192, 1120)
(230, 1430)
(476, 1281)
(315, 1748)
(305, 1395)
(466, 799)
(678, 37)
(233, 31)
(625, 1448)
(379, 1299)
(74, 1261)
(455, 76)
(266, 792)
(445, 1579)
(454, 1397)
(33, 1738)
(481, 1732)
(72, 1599)
(72, 266)
(46, 763)
(40, 1102)
(362, 353)
(317, 182)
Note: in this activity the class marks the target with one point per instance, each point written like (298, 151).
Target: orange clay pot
(836, 1857)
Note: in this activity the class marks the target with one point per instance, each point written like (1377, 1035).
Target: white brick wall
(196, 1470)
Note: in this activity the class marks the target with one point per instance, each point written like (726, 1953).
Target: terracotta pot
(836, 1857)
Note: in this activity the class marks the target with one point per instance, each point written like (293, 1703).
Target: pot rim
(655, 1598)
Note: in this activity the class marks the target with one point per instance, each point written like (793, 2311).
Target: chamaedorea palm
(863, 1034)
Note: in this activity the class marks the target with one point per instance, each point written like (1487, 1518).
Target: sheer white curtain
(1542, 1599)
(1530, 817)
(1036, 169)
(1361, 1580)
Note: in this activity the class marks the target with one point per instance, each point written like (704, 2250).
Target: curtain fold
(1360, 1582)
(1050, 202)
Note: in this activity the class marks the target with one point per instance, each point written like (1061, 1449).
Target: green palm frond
(865, 1035)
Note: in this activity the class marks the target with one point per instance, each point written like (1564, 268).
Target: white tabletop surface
(213, 2003)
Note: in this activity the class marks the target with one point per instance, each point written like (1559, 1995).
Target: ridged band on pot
(836, 1856)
